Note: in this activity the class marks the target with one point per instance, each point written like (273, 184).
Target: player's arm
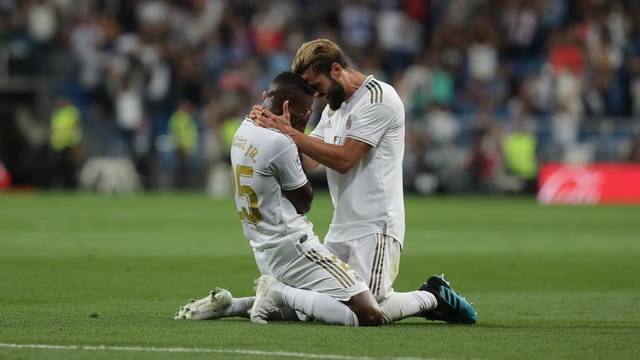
(308, 164)
(301, 198)
(295, 185)
(340, 158)
(366, 130)
(337, 157)
(365, 133)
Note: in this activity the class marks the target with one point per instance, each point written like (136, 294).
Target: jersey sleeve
(371, 122)
(288, 168)
(318, 131)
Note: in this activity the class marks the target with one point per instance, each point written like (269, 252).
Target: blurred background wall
(125, 95)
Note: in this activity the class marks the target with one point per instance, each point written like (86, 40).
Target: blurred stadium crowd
(124, 94)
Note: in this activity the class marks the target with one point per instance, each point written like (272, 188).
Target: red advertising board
(5, 178)
(589, 184)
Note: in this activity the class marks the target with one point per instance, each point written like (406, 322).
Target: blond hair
(318, 54)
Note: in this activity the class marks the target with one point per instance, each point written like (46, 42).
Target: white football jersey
(368, 199)
(266, 162)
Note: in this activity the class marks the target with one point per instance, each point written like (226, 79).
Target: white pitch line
(194, 350)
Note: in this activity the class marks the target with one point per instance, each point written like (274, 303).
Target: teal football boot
(452, 308)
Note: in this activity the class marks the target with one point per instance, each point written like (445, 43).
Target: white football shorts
(375, 257)
(303, 262)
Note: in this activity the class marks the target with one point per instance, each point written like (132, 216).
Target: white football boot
(210, 307)
(266, 300)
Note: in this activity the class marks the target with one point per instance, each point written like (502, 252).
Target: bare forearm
(339, 158)
(308, 164)
(302, 206)
(330, 155)
(301, 198)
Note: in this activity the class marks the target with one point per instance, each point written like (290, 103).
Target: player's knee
(366, 309)
(370, 317)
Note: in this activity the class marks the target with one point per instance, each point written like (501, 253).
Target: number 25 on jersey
(251, 214)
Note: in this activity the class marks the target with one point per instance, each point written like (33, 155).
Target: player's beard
(337, 95)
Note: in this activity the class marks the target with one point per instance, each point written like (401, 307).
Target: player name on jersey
(247, 148)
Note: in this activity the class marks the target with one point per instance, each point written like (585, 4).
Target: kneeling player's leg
(218, 304)
(318, 285)
(364, 305)
(400, 305)
(272, 294)
(377, 257)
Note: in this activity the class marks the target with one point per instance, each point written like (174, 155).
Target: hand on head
(265, 118)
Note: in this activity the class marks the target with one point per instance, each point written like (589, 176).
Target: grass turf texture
(557, 282)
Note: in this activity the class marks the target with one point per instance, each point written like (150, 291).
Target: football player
(360, 140)
(272, 195)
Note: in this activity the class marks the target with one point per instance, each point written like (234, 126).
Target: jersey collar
(250, 120)
(360, 91)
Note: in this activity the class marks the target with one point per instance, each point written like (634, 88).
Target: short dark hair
(288, 86)
(291, 82)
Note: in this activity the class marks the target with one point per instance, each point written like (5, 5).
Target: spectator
(633, 66)
(564, 130)
(129, 115)
(399, 36)
(125, 63)
(442, 125)
(519, 148)
(520, 21)
(43, 23)
(482, 53)
(480, 164)
(634, 153)
(414, 89)
(357, 25)
(66, 145)
(183, 130)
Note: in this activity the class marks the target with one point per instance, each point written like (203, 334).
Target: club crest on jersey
(349, 122)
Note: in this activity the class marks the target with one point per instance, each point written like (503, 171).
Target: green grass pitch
(81, 270)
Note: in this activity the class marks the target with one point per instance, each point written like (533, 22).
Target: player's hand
(265, 118)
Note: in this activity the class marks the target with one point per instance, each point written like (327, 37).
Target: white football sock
(321, 307)
(401, 305)
(239, 307)
(283, 314)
